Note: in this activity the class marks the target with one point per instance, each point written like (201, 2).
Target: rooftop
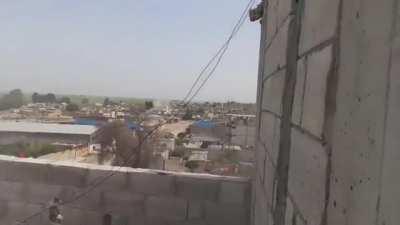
(27, 127)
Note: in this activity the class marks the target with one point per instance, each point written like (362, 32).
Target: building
(328, 110)
(41, 133)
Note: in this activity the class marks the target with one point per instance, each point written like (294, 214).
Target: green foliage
(14, 99)
(179, 141)
(228, 156)
(107, 102)
(47, 98)
(188, 115)
(123, 144)
(72, 107)
(27, 150)
(85, 101)
(177, 153)
(65, 100)
(192, 165)
(42, 150)
(149, 104)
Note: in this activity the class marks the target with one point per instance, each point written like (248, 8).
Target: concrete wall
(234, 155)
(328, 101)
(243, 135)
(7, 138)
(135, 196)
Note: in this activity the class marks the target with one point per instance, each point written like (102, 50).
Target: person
(55, 216)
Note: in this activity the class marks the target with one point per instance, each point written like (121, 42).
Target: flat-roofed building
(43, 133)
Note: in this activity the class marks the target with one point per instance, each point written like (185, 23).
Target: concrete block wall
(328, 105)
(133, 196)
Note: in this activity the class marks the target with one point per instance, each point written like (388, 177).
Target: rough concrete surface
(136, 196)
(344, 137)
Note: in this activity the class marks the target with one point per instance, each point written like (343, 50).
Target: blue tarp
(133, 126)
(204, 124)
(85, 121)
(99, 123)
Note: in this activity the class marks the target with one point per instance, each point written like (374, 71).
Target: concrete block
(196, 210)
(390, 190)
(67, 175)
(284, 10)
(152, 183)
(307, 176)
(273, 92)
(155, 221)
(6, 168)
(267, 130)
(72, 216)
(269, 181)
(235, 192)
(26, 172)
(137, 220)
(11, 191)
(318, 66)
(319, 22)
(193, 222)
(41, 193)
(300, 221)
(90, 217)
(272, 21)
(270, 134)
(91, 201)
(260, 159)
(289, 212)
(166, 209)
(275, 55)
(277, 138)
(357, 152)
(67, 193)
(262, 210)
(216, 214)
(123, 203)
(193, 188)
(118, 181)
(299, 91)
(13, 211)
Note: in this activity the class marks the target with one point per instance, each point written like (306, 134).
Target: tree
(50, 98)
(85, 101)
(35, 97)
(14, 99)
(188, 115)
(72, 107)
(47, 98)
(117, 139)
(192, 165)
(149, 104)
(106, 102)
(65, 100)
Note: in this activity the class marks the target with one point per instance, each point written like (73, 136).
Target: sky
(130, 48)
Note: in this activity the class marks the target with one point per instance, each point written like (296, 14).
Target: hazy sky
(137, 48)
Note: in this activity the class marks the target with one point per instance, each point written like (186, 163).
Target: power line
(97, 181)
(100, 180)
(219, 54)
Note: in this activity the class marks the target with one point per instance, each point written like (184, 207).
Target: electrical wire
(97, 181)
(219, 54)
(100, 180)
